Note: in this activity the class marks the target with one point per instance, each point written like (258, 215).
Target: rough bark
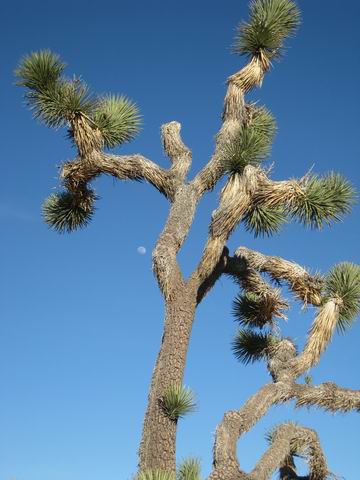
(123, 167)
(157, 448)
(291, 439)
(236, 423)
(307, 287)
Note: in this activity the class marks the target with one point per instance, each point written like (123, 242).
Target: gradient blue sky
(81, 316)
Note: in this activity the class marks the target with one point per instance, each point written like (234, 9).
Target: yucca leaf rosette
(252, 143)
(118, 120)
(189, 469)
(249, 346)
(66, 211)
(178, 401)
(270, 23)
(323, 200)
(263, 221)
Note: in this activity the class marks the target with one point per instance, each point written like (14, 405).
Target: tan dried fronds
(276, 194)
(306, 287)
(320, 335)
(268, 300)
(212, 252)
(86, 138)
(328, 396)
(234, 103)
(252, 74)
(235, 200)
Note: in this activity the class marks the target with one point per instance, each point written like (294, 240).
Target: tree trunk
(158, 443)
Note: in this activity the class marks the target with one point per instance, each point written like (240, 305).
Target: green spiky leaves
(39, 70)
(178, 401)
(155, 475)
(65, 212)
(58, 102)
(253, 141)
(323, 200)
(249, 347)
(270, 23)
(53, 99)
(264, 221)
(343, 284)
(118, 120)
(189, 469)
(252, 310)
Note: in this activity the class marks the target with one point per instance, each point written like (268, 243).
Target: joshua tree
(249, 197)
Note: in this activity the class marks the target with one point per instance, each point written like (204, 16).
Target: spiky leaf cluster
(57, 101)
(270, 23)
(155, 475)
(189, 469)
(323, 200)
(65, 212)
(252, 143)
(117, 119)
(249, 311)
(39, 70)
(343, 283)
(249, 346)
(178, 401)
(264, 221)
(53, 99)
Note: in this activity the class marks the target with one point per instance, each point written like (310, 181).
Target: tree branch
(328, 396)
(235, 200)
(289, 439)
(236, 423)
(132, 167)
(305, 286)
(178, 153)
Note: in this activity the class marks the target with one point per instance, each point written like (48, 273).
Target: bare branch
(180, 218)
(305, 286)
(178, 153)
(290, 439)
(132, 167)
(328, 396)
(236, 423)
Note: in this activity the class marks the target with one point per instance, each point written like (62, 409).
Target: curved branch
(319, 336)
(234, 114)
(177, 227)
(289, 439)
(236, 423)
(235, 200)
(123, 167)
(305, 286)
(178, 153)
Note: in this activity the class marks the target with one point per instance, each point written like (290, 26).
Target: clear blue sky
(81, 316)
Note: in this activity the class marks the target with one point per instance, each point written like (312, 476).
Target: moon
(141, 250)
